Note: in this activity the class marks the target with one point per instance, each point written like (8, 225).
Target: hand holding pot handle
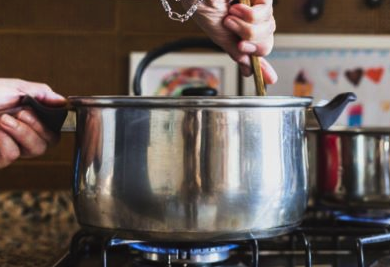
(52, 118)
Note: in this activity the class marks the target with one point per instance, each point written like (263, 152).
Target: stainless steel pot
(191, 168)
(351, 167)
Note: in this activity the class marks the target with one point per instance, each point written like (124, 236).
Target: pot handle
(52, 118)
(174, 46)
(329, 113)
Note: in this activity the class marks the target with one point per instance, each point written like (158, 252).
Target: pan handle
(52, 118)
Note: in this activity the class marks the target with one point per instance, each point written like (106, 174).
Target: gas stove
(324, 239)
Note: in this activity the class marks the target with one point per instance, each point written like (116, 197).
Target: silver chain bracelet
(180, 17)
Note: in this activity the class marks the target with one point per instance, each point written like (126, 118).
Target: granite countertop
(36, 227)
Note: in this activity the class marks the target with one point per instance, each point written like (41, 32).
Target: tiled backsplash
(81, 47)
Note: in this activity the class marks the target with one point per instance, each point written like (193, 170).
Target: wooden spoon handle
(258, 76)
(256, 66)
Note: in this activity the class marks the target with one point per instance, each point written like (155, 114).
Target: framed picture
(169, 74)
(323, 66)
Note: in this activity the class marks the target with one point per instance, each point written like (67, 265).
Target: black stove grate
(319, 240)
(362, 241)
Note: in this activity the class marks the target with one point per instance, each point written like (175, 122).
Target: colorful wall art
(327, 71)
(169, 74)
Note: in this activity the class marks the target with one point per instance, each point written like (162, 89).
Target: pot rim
(378, 130)
(190, 101)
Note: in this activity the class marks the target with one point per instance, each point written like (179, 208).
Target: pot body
(190, 173)
(350, 167)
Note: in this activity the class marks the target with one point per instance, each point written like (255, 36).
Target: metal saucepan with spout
(193, 168)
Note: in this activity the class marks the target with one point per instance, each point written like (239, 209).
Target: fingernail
(9, 121)
(247, 47)
(57, 96)
(273, 75)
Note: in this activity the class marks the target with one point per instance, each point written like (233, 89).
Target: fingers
(254, 25)
(257, 49)
(254, 14)
(29, 118)
(30, 142)
(269, 73)
(259, 36)
(41, 92)
(23, 135)
(12, 89)
(9, 150)
(9, 97)
(266, 2)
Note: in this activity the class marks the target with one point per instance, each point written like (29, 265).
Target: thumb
(51, 99)
(9, 98)
(43, 93)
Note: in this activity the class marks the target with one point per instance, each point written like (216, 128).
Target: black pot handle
(329, 113)
(166, 48)
(52, 118)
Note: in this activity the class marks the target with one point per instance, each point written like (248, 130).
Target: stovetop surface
(320, 241)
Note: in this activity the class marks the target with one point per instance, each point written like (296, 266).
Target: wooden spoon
(256, 67)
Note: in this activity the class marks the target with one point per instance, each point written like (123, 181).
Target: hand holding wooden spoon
(240, 30)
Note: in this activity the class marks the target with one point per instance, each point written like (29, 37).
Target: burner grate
(361, 242)
(319, 242)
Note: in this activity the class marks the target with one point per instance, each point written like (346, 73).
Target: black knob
(373, 3)
(313, 9)
(199, 91)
